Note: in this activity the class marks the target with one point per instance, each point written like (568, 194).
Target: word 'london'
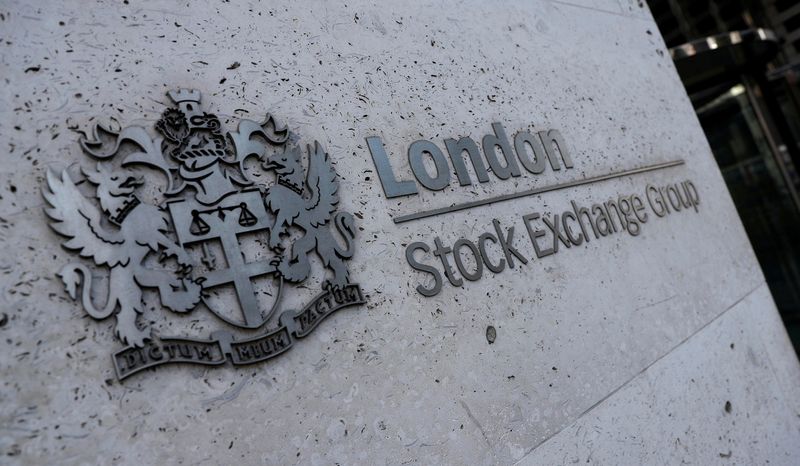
(196, 228)
(545, 145)
(574, 226)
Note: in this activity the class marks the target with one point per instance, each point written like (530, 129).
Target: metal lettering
(507, 243)
(629, 210)
(607, 206)
(583, 213)
(456, 149)
(493, 141)
(537, 164)
(482, 248)
(415, 154)
(391, 186)
(691, 193)
(471, 276)
(605, 228)
(656, 202)
(638, 208)
(535, 234)
(576, 240)
(441, 252)
(631, 223)
(154, 352)
(416, 265)
(676, 204)
(554, 145)
(555, 228)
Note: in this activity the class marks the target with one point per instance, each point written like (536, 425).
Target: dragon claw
(135, 338)
(184, 296)
(275, 242)
(328, 285)
(185, 264)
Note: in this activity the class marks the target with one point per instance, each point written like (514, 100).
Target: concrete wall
(650, 349)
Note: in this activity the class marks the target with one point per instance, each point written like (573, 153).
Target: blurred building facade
(682, 21)
(740, 63)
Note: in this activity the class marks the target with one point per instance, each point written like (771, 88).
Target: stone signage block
(358, 233)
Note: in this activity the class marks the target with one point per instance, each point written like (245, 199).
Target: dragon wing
(78, 219)
(150, 153)
(322, 184)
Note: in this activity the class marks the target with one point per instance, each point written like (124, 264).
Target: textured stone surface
(405, 378)
(720, 398)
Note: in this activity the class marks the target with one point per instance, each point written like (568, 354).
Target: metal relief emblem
(183, 239)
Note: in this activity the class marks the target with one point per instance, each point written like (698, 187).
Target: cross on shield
(233, 215)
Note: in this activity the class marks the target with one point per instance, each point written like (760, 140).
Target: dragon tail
(78, 275)
(345, 225)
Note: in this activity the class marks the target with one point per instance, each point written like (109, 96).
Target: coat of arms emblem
(182, 239)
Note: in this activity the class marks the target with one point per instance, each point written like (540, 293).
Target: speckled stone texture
(654, 349)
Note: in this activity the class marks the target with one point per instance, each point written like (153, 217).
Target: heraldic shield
(185, 241)
(235, 214)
